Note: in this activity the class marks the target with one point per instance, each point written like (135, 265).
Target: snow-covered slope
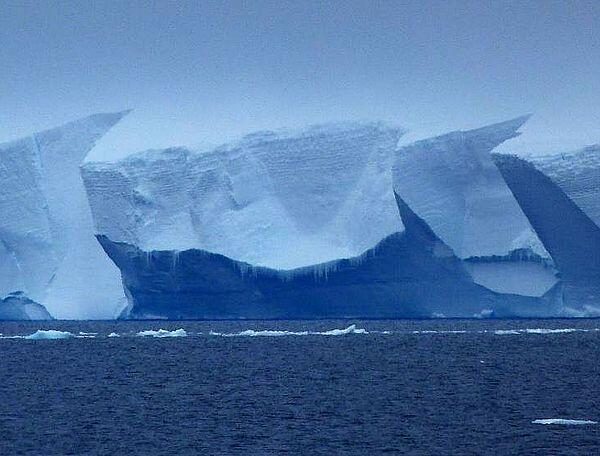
(281, 200)
(47, 247)
(578, 175)
(451, 183)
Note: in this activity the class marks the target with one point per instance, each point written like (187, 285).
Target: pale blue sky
(210, 70)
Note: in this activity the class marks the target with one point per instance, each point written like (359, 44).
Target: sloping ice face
(578, 175)
(281, 200)
(47, 247)
(452, 184)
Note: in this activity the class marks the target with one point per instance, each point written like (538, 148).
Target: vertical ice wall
(275, 199)
(47, 247)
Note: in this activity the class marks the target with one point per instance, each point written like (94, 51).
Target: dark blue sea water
(403, 387)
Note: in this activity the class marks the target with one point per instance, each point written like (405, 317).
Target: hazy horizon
(212, 71)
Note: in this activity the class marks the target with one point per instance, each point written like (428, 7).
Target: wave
(352, 329)
(564, 422)
(163, 333)
(553, 331)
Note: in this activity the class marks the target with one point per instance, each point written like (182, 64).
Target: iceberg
(451, 183)
(47, 247)
(17, 306)
(566, 231)
(330, 221)
(281, 200)
(578, 175)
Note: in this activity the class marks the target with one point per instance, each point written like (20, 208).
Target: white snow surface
(276, 199)
(47, 244)
(578, 175)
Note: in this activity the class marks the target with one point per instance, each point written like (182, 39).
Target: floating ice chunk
(113, 334)
(564, 422)
(49, 334)
(163, 333)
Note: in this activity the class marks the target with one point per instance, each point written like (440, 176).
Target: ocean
(436, 387)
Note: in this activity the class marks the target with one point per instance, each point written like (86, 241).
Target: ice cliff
(47, 247)
(331, 221)
(452, 184)
(279, 200)
(578, 175)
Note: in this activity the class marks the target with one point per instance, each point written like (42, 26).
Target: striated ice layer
(273, 199)
(47, 247)
(452, 184)
(578, 175)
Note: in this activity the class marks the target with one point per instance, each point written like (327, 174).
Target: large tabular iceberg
(316, 224)
(47, 247)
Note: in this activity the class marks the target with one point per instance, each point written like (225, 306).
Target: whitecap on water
(504, 332)
(553, 331)
(563, 422)
(352, 329)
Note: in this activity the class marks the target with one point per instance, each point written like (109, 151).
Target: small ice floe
(113, 335)
(41, 334)
(563, 422)
(163, 333)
